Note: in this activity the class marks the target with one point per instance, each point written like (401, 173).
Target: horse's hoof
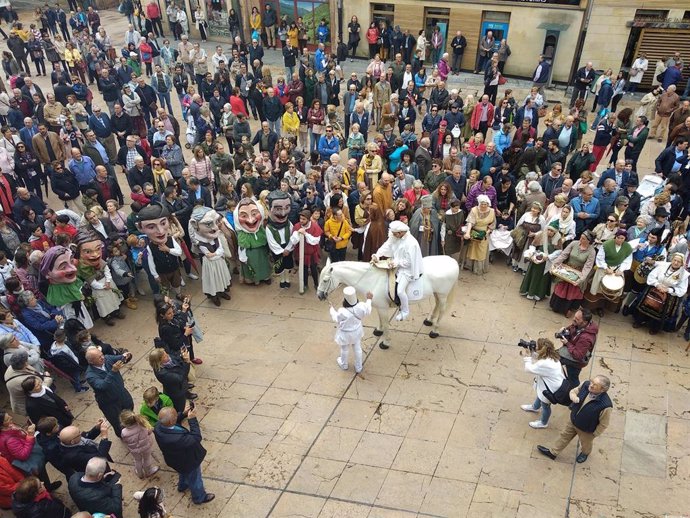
(433, 334)
(428, 322)
(378, 332)
(384, 346)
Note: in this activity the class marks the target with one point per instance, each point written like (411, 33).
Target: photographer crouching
(578, 341)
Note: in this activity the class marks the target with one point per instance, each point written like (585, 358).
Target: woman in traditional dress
(451, 229)
(480, 223)
(537, 282)
(252, 242)
(658, 303)
(527, 227)
(566, 226)
(553, 211)
(579, 257)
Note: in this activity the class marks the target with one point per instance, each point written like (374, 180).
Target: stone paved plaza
(430, 428)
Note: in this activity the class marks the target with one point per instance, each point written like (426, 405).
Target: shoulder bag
(329, 245)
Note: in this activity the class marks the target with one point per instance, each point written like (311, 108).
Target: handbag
(562, 394)
(654, 300)
(502, 80)
(34, 463)
(303, 128)
(329, 245)
(317, 128)
(478, 235)
(634, 72)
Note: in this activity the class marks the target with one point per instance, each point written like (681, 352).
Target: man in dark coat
(103, 375)
(139, 174)
(42, 401)
(77, 448)
(106, 187)
(590, 414)
(183, 452)
(95, 490)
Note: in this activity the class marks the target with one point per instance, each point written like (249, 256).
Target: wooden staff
(301, 264)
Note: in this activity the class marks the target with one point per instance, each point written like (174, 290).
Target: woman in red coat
(16, 443)
(146, 55)
(9, 480)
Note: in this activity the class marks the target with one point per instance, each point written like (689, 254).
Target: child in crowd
(137, 434)
(63, 225)
(64, 359)
(137, 252)
(153, 402)
(38, 240)
(139, 196)
(350, 329)
(122, 274)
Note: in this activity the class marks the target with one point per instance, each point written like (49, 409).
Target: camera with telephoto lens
(530, 345)
(562, 334)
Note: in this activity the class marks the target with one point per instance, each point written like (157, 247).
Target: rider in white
(404, 249)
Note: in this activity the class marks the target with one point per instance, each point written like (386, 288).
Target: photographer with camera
(544, 363)
(103, 374)
(590, 414)
(578, 341)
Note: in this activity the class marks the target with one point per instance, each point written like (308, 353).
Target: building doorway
(436, 17)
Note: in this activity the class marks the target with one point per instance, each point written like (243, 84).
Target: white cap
(350, 295)
(398, 226)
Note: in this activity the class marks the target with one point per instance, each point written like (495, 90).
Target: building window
(382, 12)
(686, 16)
(651, 14)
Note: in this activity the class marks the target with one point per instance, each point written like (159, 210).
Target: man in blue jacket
(541, 74)
(673, 158)
(328, 145)
(183, 452)
(103, 374)
(585, 210)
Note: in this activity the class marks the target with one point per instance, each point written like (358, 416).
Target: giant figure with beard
(215, 276)
(95, 272)
(279, 230)
(251, 239)
(64, 291)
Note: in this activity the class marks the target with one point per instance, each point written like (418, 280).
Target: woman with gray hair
(41, 318)
(14, 336)
(19, 368)
(521, 188)
(534, 193)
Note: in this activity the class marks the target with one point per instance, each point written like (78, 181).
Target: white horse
(439, 278)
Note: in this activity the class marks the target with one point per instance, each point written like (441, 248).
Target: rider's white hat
(398, 226)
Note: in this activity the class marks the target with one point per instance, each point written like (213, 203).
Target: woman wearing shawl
(578, 257)
(536, 284)
(253, 245)
(658, 303)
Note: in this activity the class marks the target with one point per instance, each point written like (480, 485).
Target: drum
(612, 286)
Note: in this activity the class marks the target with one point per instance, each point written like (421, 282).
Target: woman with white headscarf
(480, 223)
(658, 303)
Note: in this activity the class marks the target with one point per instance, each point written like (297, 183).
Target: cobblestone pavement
(431, 428)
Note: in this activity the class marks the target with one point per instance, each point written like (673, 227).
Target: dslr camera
(530, 345)
(564, 333)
